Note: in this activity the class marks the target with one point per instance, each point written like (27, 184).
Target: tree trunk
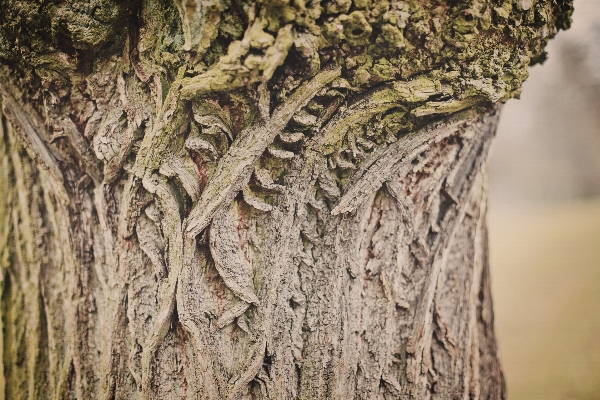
(221, 199)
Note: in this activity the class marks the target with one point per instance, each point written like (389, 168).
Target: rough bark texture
(273, 200)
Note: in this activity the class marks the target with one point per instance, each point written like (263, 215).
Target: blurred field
(544, 238)
(546, 287)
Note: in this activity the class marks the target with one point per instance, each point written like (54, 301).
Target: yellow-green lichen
(353, 28)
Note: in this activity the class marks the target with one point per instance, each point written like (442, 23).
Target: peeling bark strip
(214, 199)
(235, 168)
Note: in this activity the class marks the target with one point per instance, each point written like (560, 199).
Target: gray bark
(262, 222)
(389, 299)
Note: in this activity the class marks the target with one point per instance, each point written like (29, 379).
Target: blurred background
(544, 220)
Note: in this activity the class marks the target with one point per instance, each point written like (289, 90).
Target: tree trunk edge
(476, 135)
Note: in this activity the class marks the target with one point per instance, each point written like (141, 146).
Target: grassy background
(544, 237)
(546, 287)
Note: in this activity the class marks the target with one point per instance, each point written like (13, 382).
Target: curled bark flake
(200, 21)
(307, 45)
(242, 323)
(254, 201)
(304, 119)
(130, 209)
(199, 144)
(309, 231)
(342, 163)
(393, 160)
(357, 114)
(235, 168)
(236, 311)
(375, 103)
(113, 167)
(230, 260)
(171, 117)
(109, 125)
(293, 137)
(280, 153)
(326, 180)
(329, 186)
(392, 385)
(264, 179)
(444, 107)
(254, 364)
(108, 122)
(364, 143)
(211, 116)
(187, 173)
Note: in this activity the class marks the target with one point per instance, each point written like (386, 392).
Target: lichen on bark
(271, 199)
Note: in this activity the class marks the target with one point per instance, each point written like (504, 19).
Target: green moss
(362, 4)
(338, 6)
(383, 70)
(357, 30)
(420, 58)
(396, 39)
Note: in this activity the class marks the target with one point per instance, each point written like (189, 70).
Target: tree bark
(273, 200)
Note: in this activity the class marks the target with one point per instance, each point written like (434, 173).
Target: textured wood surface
(253, 200)
(389, 299)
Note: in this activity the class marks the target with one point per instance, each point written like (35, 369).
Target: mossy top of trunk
(480, 47)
